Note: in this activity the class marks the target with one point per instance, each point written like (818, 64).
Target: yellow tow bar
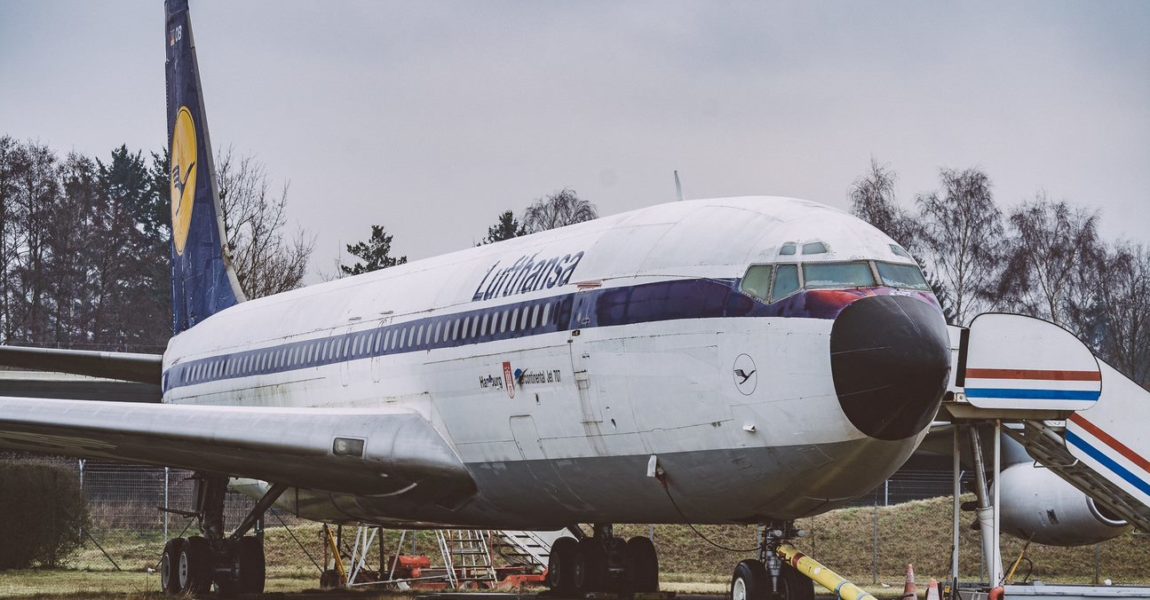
(339, 568)
(822, 575)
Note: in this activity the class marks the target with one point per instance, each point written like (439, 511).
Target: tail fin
(203, 280)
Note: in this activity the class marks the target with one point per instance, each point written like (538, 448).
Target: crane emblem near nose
(890, 360)
(745, 372)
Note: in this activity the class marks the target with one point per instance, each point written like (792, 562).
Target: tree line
(84, 244)
(1043, 258)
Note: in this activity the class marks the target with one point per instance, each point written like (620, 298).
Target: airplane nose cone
(890, 359)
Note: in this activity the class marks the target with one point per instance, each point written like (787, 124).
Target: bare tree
(873, 200)
(559, 209)
(266, 260)
(1124, 303)
(1051, 243)
(962, 231)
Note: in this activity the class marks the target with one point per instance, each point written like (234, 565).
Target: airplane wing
(367, 451)
(124, 366)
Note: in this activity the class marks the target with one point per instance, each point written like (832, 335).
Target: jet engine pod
(1038, 505)
(890, 360)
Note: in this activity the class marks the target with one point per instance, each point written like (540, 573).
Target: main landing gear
(602, 563)
(234, 563)
(768, 577)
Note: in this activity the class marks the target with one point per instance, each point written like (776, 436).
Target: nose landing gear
(768, 577)
(602, 562)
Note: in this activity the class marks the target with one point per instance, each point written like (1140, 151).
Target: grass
(914, 532)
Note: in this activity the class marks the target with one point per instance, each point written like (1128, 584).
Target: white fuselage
(557, 377)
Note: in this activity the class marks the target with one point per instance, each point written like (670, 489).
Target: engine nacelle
(1038, 505)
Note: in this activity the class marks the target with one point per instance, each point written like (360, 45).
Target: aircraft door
(343, 352)
(582, 359)
(380, 345)
(526, 437)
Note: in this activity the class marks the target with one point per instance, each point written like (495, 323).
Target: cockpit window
(902, 276)
(837, 275)
(898, 250)
(757, 281)
(788, 249)
(814, 248)
(786, 282)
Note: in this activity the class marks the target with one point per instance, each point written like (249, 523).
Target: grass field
(914, 532)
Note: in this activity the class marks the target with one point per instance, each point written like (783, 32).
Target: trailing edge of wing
(401, 452)
(125, 366)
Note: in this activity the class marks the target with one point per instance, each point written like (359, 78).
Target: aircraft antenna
(679, 187)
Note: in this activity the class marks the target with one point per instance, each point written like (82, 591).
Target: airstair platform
(1075, 414)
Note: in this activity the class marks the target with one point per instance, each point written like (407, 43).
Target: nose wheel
(768, 577)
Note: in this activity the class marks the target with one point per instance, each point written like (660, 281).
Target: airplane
(747, 360)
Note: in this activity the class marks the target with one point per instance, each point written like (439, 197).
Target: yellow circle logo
(183, 160)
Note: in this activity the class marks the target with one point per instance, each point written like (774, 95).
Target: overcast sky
(432, 117)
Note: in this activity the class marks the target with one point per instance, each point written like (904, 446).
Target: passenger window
(523, 323)
(502, 321)
(535, 316)
(786, 282)
(483, 325)
(514, 318)
(546, 313)
(455, 329)
(757, 281)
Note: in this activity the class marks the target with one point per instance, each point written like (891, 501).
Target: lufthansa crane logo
(183, 160)
(745, 373)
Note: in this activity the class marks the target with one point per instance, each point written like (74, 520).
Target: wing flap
(401, 451)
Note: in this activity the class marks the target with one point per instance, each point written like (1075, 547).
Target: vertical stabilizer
(203, 281)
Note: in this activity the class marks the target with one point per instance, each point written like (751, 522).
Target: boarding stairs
(1075, 414)
(529, 549)
(467, 557)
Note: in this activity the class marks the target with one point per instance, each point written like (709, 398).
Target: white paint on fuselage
(651, 388)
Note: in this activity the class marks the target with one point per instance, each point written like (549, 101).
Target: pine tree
(506, 228)
(374, 254)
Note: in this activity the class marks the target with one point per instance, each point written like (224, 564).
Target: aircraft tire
(590, 572)
(250, 558)
(195, 567)
(560, 564)
(169, 565)
(642, 565)
(750, 581)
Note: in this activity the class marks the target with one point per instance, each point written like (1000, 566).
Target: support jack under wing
(395, 452)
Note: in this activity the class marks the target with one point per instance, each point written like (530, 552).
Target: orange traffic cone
(932, 591)
(909, 591)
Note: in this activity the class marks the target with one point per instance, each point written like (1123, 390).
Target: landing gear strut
(768, 577)
(602, 562)
(234, 563)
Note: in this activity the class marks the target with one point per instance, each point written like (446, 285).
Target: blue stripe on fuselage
(627, 305)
